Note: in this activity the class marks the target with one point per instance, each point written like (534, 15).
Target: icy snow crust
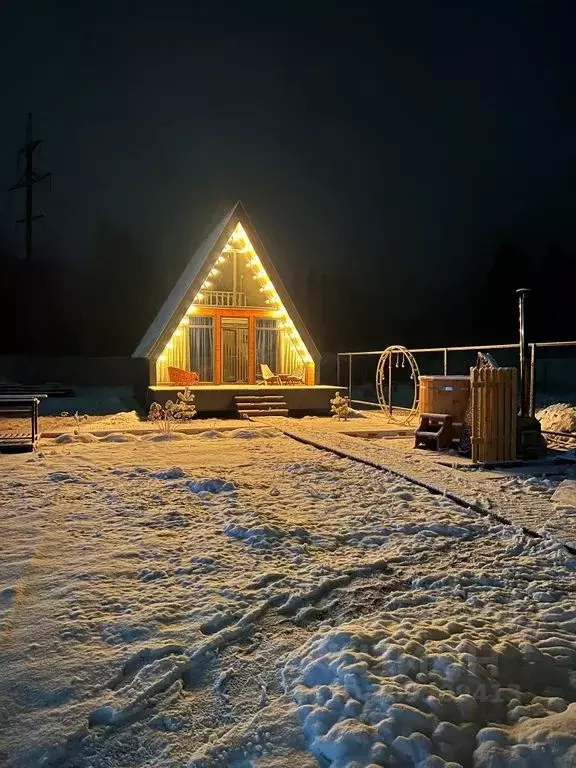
(227, 601)
(439, 691)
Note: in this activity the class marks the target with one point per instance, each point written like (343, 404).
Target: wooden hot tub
(445, 394)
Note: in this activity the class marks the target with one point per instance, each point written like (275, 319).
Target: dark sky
(399, 143)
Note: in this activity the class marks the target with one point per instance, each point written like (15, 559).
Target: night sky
(398, 145)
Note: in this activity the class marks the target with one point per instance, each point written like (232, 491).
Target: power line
(27, 181)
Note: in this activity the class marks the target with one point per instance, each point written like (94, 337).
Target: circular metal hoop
(384, 364)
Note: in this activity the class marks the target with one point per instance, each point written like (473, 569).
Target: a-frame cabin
(229, 315)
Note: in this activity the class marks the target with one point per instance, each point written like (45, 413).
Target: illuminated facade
(228, 315)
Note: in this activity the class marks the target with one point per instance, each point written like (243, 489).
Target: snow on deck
(239, 599)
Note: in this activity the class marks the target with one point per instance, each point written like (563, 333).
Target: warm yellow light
(199, 297)
(161, 358)
(207, 284)
(238, 240)
(169, 345)
(214, 271)
(177, 332)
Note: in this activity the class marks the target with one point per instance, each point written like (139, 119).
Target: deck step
(261, 405)
(257, 398)
(263, 412)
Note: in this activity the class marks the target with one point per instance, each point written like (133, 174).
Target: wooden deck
(219, 399)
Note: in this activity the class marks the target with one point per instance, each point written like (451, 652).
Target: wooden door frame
(239, 331)
(234, 312)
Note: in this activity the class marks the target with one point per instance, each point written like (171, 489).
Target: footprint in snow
(147, 575)
(210, 485)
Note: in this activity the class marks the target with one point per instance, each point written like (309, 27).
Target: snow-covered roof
(194, 274)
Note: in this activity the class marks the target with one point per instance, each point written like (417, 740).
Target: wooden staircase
(260, 405)
(436, 431)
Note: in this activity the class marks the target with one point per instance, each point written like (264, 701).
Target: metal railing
(445, 351)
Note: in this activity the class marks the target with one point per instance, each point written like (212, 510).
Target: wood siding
(494, 414)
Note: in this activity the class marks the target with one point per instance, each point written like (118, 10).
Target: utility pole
(27, 181)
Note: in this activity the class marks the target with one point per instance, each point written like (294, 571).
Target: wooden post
(217, 350)
(513, 413)
(476, 419)
(251, 349)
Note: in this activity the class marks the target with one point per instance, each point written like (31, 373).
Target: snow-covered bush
(163, 414)
(183, 408)
(340, 407)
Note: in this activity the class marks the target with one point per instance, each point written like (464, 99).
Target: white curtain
(290, 359)
(202, 347)
(176, 355)
(266, 345)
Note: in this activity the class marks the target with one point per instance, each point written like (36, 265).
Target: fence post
(445, 361)
(350, 377)
(524, 364)
(532, 410)
(337, 369)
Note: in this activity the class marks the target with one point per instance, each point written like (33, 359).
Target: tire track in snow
(306, 438)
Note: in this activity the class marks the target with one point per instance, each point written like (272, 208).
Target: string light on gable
(285, 323)
(240, 243)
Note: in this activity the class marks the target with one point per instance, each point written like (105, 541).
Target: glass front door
(234, 350)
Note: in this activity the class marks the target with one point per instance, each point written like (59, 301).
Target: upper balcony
(221, 299)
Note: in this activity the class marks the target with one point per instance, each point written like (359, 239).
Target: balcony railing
(223, 299)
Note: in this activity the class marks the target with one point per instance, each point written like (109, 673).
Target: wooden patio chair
(181, 377)
(296, 377)
(268, 377)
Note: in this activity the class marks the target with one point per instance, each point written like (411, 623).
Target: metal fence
(458, 360)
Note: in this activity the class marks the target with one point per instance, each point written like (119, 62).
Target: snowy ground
(239, 599)
(522, 495)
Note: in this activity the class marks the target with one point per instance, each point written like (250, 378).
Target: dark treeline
(103, 304)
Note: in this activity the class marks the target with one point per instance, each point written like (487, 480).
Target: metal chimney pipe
(524, 359)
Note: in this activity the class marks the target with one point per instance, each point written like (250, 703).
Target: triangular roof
(196, 272)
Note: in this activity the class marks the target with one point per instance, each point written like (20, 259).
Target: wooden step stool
(435, 431)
